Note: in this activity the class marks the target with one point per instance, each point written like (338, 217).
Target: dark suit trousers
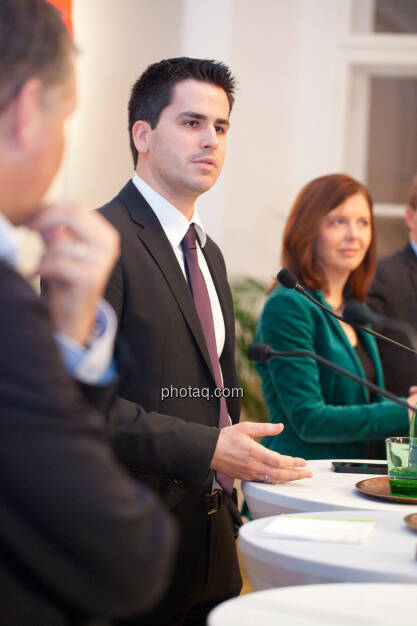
(208, 580)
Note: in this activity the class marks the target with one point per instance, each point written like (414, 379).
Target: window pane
(385, 16)
(392, 148)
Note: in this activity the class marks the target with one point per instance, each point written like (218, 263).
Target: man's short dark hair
(34, 43)
(412, 194)
(152, 92)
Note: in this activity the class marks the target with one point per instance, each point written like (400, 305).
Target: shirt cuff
(94, 364)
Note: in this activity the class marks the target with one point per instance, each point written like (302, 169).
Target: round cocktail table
(326, 491)
(388, 555)
(321, 605)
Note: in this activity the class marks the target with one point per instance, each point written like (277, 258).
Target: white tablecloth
(326, 491)
(322, 605)
(389, 554)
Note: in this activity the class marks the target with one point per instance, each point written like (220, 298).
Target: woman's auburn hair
(299, 244)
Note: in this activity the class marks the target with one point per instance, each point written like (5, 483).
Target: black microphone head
(259, 352)
(287, 278)
(355, 313)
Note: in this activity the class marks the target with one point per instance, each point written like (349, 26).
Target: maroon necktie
(202, 304)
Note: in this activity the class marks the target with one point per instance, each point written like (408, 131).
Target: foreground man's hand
(239, 456)
(81, 250)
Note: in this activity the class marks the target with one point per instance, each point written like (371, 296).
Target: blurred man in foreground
(78, 538)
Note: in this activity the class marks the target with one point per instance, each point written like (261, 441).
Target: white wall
(261, 154)
(288, 124)
(117, 41)
(209, 34)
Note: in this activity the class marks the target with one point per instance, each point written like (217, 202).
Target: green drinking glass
(402, 476)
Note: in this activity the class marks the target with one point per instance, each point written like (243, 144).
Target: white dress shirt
(175, 225)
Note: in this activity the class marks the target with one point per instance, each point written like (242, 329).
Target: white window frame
(365, 55)
(333, 65)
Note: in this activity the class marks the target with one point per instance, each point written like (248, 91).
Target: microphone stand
(370, 317)
(288, 280)
(263, 352)
(301, 290)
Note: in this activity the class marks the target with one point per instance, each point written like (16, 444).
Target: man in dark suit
(176, 424)
(78, 538)
(394, 294)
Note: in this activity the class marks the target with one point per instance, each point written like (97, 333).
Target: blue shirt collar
(413, 244)
(8, 241)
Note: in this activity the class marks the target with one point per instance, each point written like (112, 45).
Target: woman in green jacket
(329, 244)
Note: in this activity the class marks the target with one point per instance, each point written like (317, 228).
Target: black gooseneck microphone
(262, 352)
(288, 280)
(354, 313)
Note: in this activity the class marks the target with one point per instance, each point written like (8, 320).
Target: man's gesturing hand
(81, 248)
(239, 456)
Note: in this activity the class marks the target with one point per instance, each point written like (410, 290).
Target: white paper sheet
(310, 528)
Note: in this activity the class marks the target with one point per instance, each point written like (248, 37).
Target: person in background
(78, 538)
(329, 244)
(393, 294)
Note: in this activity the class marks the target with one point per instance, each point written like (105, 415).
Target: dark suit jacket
(394, 294)
(78, 537)
(168, 442)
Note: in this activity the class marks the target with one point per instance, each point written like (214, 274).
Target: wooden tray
(379, 488)
(411, 520)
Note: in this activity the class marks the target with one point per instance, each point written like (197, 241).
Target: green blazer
(325, 414)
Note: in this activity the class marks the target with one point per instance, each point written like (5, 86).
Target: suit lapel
(153, 237)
